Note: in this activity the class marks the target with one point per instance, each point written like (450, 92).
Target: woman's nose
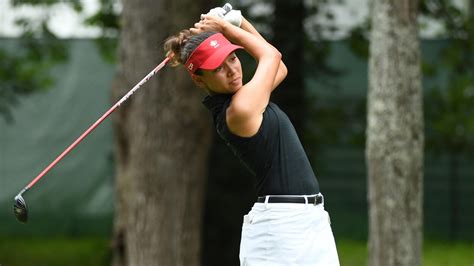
(231, 70)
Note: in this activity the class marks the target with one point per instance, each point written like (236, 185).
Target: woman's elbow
(278, 56)
(283, 69)
(273, 54)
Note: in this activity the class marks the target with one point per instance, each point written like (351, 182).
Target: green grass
(443, 253)
(352, 253)
(95, 252)
(54, 252)
(435, 253)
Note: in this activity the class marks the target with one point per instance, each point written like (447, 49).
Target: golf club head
(19, 208)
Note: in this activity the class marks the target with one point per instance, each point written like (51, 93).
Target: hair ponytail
(173, 47)
(181, 45)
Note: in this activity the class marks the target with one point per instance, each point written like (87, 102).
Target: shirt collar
(213, 102)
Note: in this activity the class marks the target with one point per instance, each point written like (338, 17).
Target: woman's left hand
(208, 23)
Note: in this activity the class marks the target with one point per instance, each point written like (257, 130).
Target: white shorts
(287, 234)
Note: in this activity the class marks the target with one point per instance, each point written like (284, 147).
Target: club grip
(227, 7)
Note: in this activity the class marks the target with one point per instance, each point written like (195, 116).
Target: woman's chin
(235, 87)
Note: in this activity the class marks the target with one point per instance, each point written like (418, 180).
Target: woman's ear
(198, 81)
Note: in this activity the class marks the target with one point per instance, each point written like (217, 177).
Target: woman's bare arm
(245, 113)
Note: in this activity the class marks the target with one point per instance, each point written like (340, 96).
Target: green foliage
(76, 4)
(107, 48)
(450, 119)
(334, 121)
(107, 19)
(449, 14)
(449, 112)
(28, 70)
(358, 40)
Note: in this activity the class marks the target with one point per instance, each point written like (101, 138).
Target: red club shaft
(98, 122)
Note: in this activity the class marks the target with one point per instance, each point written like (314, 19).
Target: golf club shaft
(93, 126)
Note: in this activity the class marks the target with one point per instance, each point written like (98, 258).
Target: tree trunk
(395, 139)
(288, 37)
(163, 135)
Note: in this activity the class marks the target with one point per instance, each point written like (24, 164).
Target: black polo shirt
(274, 155)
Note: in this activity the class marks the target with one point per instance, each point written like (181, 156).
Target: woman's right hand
(208, 23)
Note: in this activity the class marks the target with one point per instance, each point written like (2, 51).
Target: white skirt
(287, 234)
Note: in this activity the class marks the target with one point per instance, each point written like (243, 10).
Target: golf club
(19, 208)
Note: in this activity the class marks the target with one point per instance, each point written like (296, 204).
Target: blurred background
(59, 62)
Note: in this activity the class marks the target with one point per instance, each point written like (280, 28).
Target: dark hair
(181, 46)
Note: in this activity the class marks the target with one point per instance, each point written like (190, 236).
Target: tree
(300, 40)
(395, 140)
(288, 37)
(162, 133)
(162, 139)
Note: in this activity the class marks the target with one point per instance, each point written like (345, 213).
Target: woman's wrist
(225, 28)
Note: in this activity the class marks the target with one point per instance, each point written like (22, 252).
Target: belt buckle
(316, 198)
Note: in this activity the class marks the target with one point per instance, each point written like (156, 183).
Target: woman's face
(225, 79)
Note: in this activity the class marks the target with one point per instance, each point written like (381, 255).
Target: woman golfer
(288, 224)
